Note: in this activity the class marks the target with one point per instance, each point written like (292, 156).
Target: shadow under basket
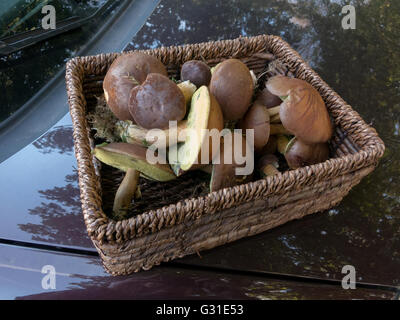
(180, 218)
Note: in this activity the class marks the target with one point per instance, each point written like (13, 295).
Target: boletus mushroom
(302, 112)
(130, 158)
(224, 170)
(204, 121)
(232, 85)
(126, 72)
(133, 133)
(197, 72)
(257, 119)
(157, 101)
(299, 154)
(268, 165)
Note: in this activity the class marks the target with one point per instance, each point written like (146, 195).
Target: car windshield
(24, 72)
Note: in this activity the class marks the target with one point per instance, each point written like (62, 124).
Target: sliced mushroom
(125, 73)
(197, 72)
(232, 85)
(204, 116)
(157, 101)
(303, 111)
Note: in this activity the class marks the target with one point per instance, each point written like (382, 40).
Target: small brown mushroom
(224, 173)
(299, 154)
(268, 165)
(257, 119)
(303, 112)
(125, 73)
(157, 101)
(197, 72)
(232, 85)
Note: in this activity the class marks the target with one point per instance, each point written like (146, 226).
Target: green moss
(103, 121)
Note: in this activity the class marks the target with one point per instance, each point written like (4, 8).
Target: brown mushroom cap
(303, 112)
(266, 98)
(197, 72)
(224, 174)
(257, 118)
(299, 154)
(126, 72)
(156, 102)
(232, 85)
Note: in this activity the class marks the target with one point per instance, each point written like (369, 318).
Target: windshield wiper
(26, 39)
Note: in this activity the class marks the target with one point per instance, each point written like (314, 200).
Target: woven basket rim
(104, 229)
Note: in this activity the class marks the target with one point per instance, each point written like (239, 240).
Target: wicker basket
(177, 219)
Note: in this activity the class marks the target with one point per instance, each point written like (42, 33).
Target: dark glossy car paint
(40, 205)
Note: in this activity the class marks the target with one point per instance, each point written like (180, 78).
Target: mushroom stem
(278, 129)
(270, 170)
(132, 133)
(188, 89)
(274, 111)
(126, 191)
(282, 142)
(275, 119)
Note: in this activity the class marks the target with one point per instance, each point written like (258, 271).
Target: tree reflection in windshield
(24, 72)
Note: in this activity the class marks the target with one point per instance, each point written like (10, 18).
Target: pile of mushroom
(287, 117)
(303, 113)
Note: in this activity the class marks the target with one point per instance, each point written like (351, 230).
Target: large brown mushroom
(125, 73)
(303, 112)
(232, 85)
(157, 101)
(197, 72)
